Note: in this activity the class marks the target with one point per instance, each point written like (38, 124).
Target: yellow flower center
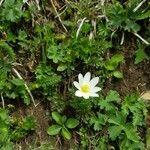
(85, 88)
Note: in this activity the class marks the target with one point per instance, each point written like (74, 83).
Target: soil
(136, 77)
(40, 135)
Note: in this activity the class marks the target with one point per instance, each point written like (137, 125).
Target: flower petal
(94, 81)
(76, 84)
(94, 95)
(78, 93)
(87, 77)
(86, 96)
(95, 89)
(80, 78)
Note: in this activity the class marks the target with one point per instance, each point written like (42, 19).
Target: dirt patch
(40, 135)
(136, 77)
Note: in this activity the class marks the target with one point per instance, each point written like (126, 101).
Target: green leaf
(62, 67)
(66, 133)
(140, 55)
(57, 117)
(135, 106)
(117, 74)
(18, 82)
(143, 15)
(8, 146)
(7, 50)
(118, 119)
(72, 123)
(98, 121)
(113, 63)
(11, 13)
(107, 103)
(109, 66)
(131, 133)
(29, 123)
(54, 129)
(114, 131)
(116, 59)
(64, 118)
(112, 96)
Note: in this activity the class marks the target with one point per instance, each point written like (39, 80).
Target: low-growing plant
(112, 64)
(140, 54)
(11, 130)
(116, 121)
(62, 126)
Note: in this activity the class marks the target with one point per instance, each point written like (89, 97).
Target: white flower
(86, 86)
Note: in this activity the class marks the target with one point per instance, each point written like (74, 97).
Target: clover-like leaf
(66, 133)
(57, 117)
(72, 123)
(54, 129)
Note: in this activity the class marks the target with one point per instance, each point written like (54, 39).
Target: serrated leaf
(57, 117)
(118, 74)
(118, 119)
(72, 123)
(98, 121)
(132, 104)
(114, 131)
(54, 129)
(108, 104)
(140, 55)
(66, 133)
(143, 15)
(29, 123)
(112, 96)
(131, 133)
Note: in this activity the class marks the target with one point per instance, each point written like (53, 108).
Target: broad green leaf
(4, 117)
(18, 82)
(117, 74)
(54, 129)
(64, 118)
(66, 133)
(116, 59)
(72, 123)
(109, 66)
(57, 117)
(113, 63)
